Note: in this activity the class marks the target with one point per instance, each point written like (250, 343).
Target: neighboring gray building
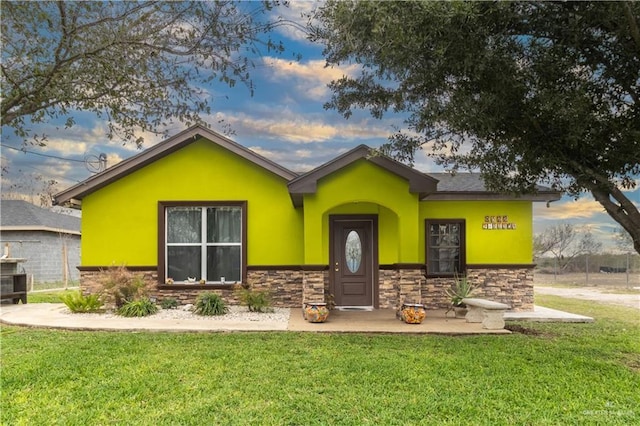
(50, 242)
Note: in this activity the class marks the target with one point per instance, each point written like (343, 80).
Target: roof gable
(160, 150)
(308, 183)
(19, 215)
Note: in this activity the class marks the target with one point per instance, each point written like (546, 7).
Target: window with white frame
(204, 242)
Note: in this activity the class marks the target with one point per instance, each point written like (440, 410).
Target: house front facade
(199, 212)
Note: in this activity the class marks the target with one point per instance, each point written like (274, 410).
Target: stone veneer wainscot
(512, 285)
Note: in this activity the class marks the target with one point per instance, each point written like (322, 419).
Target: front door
(353, 257)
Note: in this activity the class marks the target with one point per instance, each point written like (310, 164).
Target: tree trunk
(621, 209)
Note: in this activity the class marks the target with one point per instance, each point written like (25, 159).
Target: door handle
(336, 267)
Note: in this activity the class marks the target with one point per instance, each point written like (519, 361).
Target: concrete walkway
(54, 315)
(542, 314)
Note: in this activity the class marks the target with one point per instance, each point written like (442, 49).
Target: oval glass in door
(353, 251)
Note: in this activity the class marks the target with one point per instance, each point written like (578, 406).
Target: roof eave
(547, 197)
(39, 228)
(419, 183)
(307, 183)
(174, 143)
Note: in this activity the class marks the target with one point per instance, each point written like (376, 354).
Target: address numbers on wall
(497, 223)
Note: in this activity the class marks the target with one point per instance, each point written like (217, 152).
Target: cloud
(309, 78)
(288, 158)
(289, 126)
(584, 207)
(65, 147)
(299, 160)
(314, 70)
(297, 13)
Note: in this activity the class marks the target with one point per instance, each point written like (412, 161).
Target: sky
(284, 121)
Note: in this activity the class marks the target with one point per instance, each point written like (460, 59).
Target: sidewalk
(54, 315)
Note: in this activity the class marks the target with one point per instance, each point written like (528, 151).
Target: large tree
(137, 64)
(524, 92)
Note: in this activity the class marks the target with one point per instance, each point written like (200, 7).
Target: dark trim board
(501, 266)
(152, 268)
(401, 266)
(180, 287)
(287, 267)
(391, 266)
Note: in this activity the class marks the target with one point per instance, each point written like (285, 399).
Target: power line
(42, 155)
(46, 175)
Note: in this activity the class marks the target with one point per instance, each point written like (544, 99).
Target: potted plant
(461, 289)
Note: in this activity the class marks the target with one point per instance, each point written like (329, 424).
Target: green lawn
(47, 296)
(54, 285)
(554, 374)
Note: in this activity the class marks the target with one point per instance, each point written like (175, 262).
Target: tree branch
(633, 24)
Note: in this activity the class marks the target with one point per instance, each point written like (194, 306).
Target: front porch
(385, 321)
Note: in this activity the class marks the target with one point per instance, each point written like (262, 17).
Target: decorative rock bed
(236, 313)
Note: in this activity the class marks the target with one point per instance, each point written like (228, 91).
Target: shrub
(122, 286)
(210, 304)
(256, 301)
(138, 308)
(169, 303)
(77, 302)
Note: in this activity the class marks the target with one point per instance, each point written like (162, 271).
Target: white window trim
(203, 238)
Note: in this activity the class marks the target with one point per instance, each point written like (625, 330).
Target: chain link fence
(615, 270)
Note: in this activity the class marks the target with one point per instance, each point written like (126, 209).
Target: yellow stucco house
(367, 230)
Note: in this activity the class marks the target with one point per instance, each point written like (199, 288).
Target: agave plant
(461, 289)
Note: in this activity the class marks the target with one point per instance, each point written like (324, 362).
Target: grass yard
(54, 285)
(554, 374)
(47, 296)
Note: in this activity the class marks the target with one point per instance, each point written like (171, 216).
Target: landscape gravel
(235, 313)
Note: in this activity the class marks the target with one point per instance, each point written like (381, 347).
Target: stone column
(313, 286)
(410, 284)
(388, 289)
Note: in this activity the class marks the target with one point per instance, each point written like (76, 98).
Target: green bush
(169, 303)
(78, 302)
(210, 304)
(256, 301)
(138, 308)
